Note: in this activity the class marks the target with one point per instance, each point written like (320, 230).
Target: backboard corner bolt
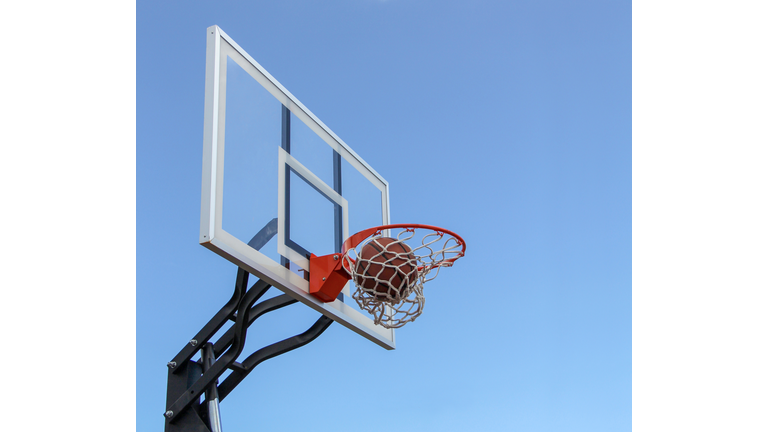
(172, 364)
(193, 342)
(168, 414)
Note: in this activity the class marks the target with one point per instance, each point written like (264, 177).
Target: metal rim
(354, 240)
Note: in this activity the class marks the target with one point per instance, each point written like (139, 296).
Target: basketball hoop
(389, 270)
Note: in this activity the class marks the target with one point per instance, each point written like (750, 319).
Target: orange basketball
(386, 267)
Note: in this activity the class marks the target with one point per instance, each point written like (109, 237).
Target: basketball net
(390, 284)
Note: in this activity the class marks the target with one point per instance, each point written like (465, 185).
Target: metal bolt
(193, 342)
(323, 278)
(168, 414)
(171, 365)
(335, 257)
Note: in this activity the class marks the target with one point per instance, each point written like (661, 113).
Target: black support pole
(189, 380)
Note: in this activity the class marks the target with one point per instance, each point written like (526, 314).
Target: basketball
(386, 268)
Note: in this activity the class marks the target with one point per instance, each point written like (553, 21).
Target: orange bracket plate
(326, 277)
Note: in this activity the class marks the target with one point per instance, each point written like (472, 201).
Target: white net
(390, 271)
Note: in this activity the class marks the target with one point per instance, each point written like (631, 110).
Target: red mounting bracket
(327, 277)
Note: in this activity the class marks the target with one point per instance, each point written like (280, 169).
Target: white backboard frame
(214, 237)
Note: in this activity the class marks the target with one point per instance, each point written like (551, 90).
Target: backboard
(278, 184)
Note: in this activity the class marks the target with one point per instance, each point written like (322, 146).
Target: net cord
(395, 275)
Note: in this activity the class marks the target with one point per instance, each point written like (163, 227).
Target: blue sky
(509, 123)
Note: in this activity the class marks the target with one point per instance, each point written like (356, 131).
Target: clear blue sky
(507, 122)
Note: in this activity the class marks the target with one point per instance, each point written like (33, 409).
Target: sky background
(506, 122)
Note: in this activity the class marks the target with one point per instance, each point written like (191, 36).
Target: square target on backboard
(278, 184)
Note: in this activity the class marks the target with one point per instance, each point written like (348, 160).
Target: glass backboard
(278, 184)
